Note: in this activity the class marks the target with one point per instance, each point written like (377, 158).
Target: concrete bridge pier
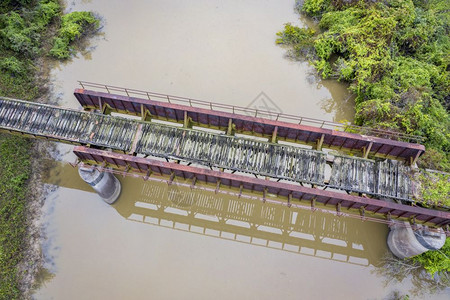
(105, 184)
(405, 242)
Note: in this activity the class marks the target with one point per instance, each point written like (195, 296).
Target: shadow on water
(239, 219)
(342, 102)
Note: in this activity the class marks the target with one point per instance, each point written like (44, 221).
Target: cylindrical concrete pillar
(105, 184)
(405, 242)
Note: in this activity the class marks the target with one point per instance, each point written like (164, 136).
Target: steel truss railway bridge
(195, 141)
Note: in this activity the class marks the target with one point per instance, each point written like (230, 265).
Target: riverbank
(15, 170)
(22, 197)
(394, 56)
(29, 33)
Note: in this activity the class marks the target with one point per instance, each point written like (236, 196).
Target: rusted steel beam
(255, 184)
(194, 181)
(230, 127)
(313, 203)
(334, 139)
(366, 150)
(320, 142)
(274, 135)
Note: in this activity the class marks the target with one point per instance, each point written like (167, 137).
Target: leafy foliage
(24, 26)
(22, 32)
(436, 262)
(72, 27)
(315, 8)
(395, 54)
(19, 37)
(45, 12)
(299, 38)
(435, 188)
(13, 66)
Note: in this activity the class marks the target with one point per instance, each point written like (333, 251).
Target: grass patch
(26, 27)
(14, 173)
(435, 189)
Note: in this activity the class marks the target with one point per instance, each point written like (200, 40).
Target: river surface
(168, 242)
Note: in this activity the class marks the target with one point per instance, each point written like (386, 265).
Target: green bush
(23, 26)
(72, 27)
(435, 188)
(395, 55)
(436, 262)
(45, 12)
(13, 66)
(19, 37)
(315, 7)
(22, 32)
(292, 35)
(301, 39)
(60, 49)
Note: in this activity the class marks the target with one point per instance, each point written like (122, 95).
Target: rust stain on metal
(331, 138)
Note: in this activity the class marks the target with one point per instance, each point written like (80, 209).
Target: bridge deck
(294, 129)
(387, 178)
(261, 158)
(382, 179)
(66, 125)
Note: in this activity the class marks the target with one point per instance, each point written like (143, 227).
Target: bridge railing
(248, 111)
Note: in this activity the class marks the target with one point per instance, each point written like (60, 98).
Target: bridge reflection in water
(242, 220)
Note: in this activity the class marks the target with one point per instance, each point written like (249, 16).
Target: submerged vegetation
(27, 35)
(72, 27)
(396, 270)
(395, 54)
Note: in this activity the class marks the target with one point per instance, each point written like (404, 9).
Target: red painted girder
(85, 153)
(331, 137)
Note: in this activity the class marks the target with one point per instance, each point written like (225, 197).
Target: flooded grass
(15, 169)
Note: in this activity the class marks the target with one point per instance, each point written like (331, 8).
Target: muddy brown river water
(168, 242)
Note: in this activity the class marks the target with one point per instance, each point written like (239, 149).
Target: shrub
(435, 188)
(19, 37)
(394, 54)
(45, 12)
(315, 7)
(13, 66)
(72, 27)
(436, 262)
